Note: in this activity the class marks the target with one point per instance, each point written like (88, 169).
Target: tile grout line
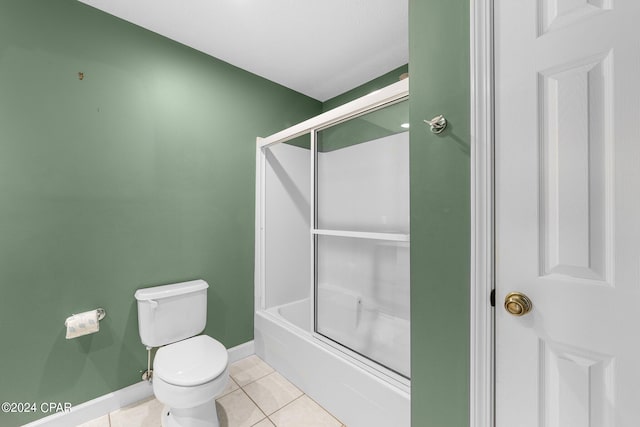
(268, 416)
(287, 404)
(313, 400)
(253, 381)
(284, 406)
(256, 403)
(229, 392)
(325, 410)
(257, 406)
(241, 387)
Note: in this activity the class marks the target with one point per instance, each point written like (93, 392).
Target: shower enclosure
(332, 257)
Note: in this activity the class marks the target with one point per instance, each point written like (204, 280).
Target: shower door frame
(389, 95)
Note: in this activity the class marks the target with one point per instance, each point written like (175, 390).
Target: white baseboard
(103, 405)
(97, 407)
(241, 351)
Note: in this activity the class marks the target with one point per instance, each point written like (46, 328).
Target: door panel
(567, 212)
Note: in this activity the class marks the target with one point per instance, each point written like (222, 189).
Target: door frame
(482, 317)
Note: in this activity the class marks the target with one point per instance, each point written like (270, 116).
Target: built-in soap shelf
(394, 237)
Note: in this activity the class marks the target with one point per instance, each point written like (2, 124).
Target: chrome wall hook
(438, 124)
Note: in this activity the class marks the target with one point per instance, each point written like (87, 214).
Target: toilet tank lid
(166, 291)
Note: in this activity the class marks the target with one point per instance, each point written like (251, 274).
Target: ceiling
(321, 48)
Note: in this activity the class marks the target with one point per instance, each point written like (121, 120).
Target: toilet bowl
(187, 376)
(189, 370)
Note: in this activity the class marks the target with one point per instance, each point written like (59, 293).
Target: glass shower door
(361, 230)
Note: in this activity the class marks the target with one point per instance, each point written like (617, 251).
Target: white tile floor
(256, 396)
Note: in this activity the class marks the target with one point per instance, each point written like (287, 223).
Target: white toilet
(189, 371)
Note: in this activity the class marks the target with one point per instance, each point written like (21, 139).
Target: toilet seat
(191, 362)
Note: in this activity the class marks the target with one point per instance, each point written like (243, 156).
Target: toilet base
(204, 415)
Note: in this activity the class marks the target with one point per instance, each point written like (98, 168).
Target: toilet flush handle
(153, 303)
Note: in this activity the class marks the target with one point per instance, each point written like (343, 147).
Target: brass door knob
(517, 304)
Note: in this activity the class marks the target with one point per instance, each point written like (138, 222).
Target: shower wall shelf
(395, 237)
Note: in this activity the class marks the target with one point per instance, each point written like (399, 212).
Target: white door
(568, 212)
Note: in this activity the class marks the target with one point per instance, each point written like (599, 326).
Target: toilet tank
(171, 313)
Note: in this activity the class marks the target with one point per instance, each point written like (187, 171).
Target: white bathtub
(357, 394)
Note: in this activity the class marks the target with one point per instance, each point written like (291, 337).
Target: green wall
(439, 70)
(140, 174)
